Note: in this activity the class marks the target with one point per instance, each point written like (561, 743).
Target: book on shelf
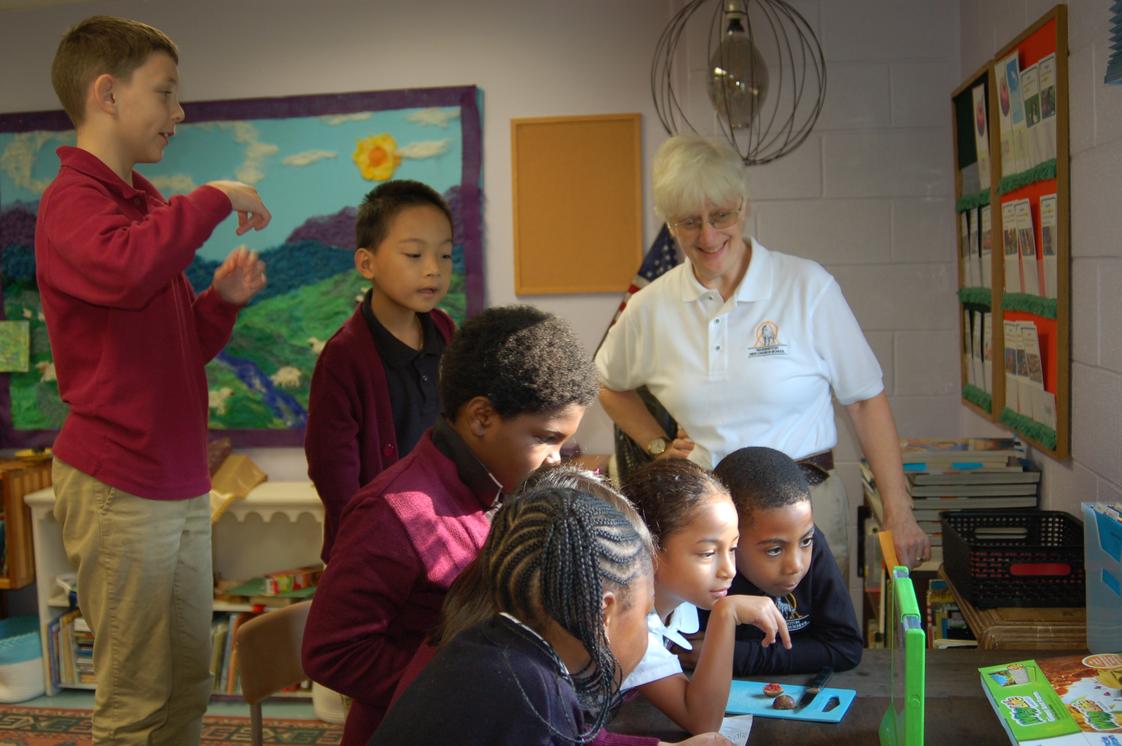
(1073, 700)
(971, 489)
(929, 454)
(943, 503)
(1016, 471)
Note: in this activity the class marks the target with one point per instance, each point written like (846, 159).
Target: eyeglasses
(720, 220)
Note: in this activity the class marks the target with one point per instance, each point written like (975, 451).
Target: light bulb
(738, 77)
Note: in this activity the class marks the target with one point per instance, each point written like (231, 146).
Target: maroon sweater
(350, 436)
(129, 337)
(403, 539)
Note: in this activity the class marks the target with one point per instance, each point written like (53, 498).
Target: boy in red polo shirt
(130, 340)
(514, 384)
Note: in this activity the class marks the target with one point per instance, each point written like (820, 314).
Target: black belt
(817, 467)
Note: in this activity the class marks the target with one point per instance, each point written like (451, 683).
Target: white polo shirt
(755, 370)
(658, 662)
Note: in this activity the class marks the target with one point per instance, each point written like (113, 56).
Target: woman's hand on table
(705, 739)
(913, 546)
(680, 447)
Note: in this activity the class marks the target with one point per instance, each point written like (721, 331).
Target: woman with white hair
(747, 347)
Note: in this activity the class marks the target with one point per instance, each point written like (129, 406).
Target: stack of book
(959, 474)
(946, 625)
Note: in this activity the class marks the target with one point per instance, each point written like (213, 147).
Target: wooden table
(956, 713)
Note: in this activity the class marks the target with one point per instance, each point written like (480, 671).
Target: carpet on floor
(33, 726)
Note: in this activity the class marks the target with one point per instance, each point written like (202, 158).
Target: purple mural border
(471, 124)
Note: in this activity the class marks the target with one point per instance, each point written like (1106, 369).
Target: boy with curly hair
(514, 385)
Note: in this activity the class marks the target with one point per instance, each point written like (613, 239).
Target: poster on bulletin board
(312, 158)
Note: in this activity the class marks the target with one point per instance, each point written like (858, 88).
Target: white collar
(683, 621)
(755, 285)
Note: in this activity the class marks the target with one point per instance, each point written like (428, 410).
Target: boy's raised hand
(245, 200)
(240, 277)
(761, 612)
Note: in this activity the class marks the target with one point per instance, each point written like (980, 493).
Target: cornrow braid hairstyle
(558, 550)
(468, 601)
(667, 491)
(760, 478)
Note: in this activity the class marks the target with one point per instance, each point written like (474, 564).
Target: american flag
(661, 257)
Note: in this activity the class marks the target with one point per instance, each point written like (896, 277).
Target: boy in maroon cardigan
(514, 385)
(130, 340)
(374, 388)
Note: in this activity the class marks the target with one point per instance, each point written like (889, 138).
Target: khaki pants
(146, 589)
(831, 516)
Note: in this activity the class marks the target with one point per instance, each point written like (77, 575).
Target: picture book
(1061, 701)
(1026, 243)
(986, 256)
(1009, 247)
(981, 135)
(1048, 245)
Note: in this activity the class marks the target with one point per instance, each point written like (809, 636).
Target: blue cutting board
(748, 698)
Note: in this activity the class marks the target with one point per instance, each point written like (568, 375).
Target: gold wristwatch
(656, 447)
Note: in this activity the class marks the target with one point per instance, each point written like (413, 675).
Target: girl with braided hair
(694, 524)
(569, 577)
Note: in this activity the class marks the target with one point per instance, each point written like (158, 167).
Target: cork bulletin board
(578, 201)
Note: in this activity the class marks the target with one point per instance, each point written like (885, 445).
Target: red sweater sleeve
(331, 442)
(352, 642)
(102, 257)
(214, 318)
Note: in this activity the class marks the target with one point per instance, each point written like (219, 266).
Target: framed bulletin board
(578, 203)
(1012, 211)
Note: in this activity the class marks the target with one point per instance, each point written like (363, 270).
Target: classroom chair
(269, 656)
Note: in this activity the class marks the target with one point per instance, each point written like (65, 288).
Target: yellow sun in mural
(376, 157)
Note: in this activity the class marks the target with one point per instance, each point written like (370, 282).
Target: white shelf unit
(279, 525)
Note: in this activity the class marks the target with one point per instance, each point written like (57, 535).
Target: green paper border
(978, 397)
(1036, 305)
(1029, 427)
(1039, 172)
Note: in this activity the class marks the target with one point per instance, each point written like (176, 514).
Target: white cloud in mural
(308, 157)
(423, 149)
(336, 119)
(251, 169)
(18, 158)
(170, 184)
(434, 117)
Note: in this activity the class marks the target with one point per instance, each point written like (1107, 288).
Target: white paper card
(968, 346)
(976, 349)
(1016, 113)
(737, 729)
(1048, 241)
(1010, 256)
(987, 353)
(976, 246)
(1034, 140)
(1026, 242)
(1005, 114)
(981, 136)
(1035, 369)
(987, 246)
(1011, 331)
(1047, 67)
(964, 243)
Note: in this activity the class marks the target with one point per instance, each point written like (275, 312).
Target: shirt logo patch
(789, 607)
(767, 342)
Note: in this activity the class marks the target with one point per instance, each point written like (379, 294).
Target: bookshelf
(1012, 190)
(280, 524)
(17, 478)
